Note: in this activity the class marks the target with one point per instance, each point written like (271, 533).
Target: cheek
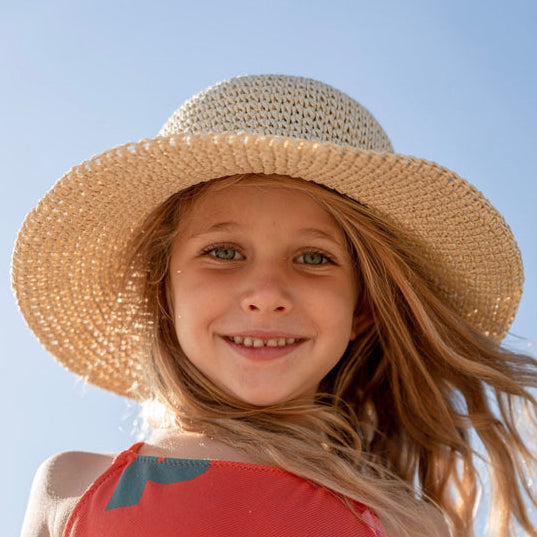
(196, 302)
(333, 313)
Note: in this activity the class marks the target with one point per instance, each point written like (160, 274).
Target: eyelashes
(230, 252)
(223, 252)
(314, 257)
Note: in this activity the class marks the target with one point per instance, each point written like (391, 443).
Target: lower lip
(263, 353)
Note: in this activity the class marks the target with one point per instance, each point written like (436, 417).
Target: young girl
(312, 323)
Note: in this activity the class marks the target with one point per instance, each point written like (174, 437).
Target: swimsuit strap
(122, 460)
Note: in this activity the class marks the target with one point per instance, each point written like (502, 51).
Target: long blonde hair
(393, 422)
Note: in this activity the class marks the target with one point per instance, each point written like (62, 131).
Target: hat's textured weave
(70, 257)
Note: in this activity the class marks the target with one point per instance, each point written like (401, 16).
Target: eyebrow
(319, 233)
(220, 226)
(313, 232)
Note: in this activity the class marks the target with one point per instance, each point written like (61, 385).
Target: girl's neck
(174, 442)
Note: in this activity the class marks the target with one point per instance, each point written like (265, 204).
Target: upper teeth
(258, 342)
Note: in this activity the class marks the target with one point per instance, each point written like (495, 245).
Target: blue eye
(224, 253)
(313, 258)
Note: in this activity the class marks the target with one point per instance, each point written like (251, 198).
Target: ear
(360, 322)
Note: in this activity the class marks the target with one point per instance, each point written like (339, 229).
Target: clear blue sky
(454, 82)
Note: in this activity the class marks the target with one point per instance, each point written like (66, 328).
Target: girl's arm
(59, 483)
(39, 505)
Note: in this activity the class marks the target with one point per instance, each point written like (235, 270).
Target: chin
(266, 400)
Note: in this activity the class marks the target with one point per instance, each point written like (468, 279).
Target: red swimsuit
(142, 496)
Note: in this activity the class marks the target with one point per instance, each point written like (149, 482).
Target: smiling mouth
(247, 341)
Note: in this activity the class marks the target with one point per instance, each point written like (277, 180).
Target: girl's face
(264, 291)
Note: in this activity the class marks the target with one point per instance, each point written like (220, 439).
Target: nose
(266, 291)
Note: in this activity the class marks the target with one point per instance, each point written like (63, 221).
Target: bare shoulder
(58, 484)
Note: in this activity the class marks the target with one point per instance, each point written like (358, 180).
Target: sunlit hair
(395, 422)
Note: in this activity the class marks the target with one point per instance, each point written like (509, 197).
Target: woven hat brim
(69, 258)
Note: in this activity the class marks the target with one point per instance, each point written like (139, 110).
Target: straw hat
(69, 257)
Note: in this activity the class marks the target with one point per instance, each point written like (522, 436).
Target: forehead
(273, 199)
